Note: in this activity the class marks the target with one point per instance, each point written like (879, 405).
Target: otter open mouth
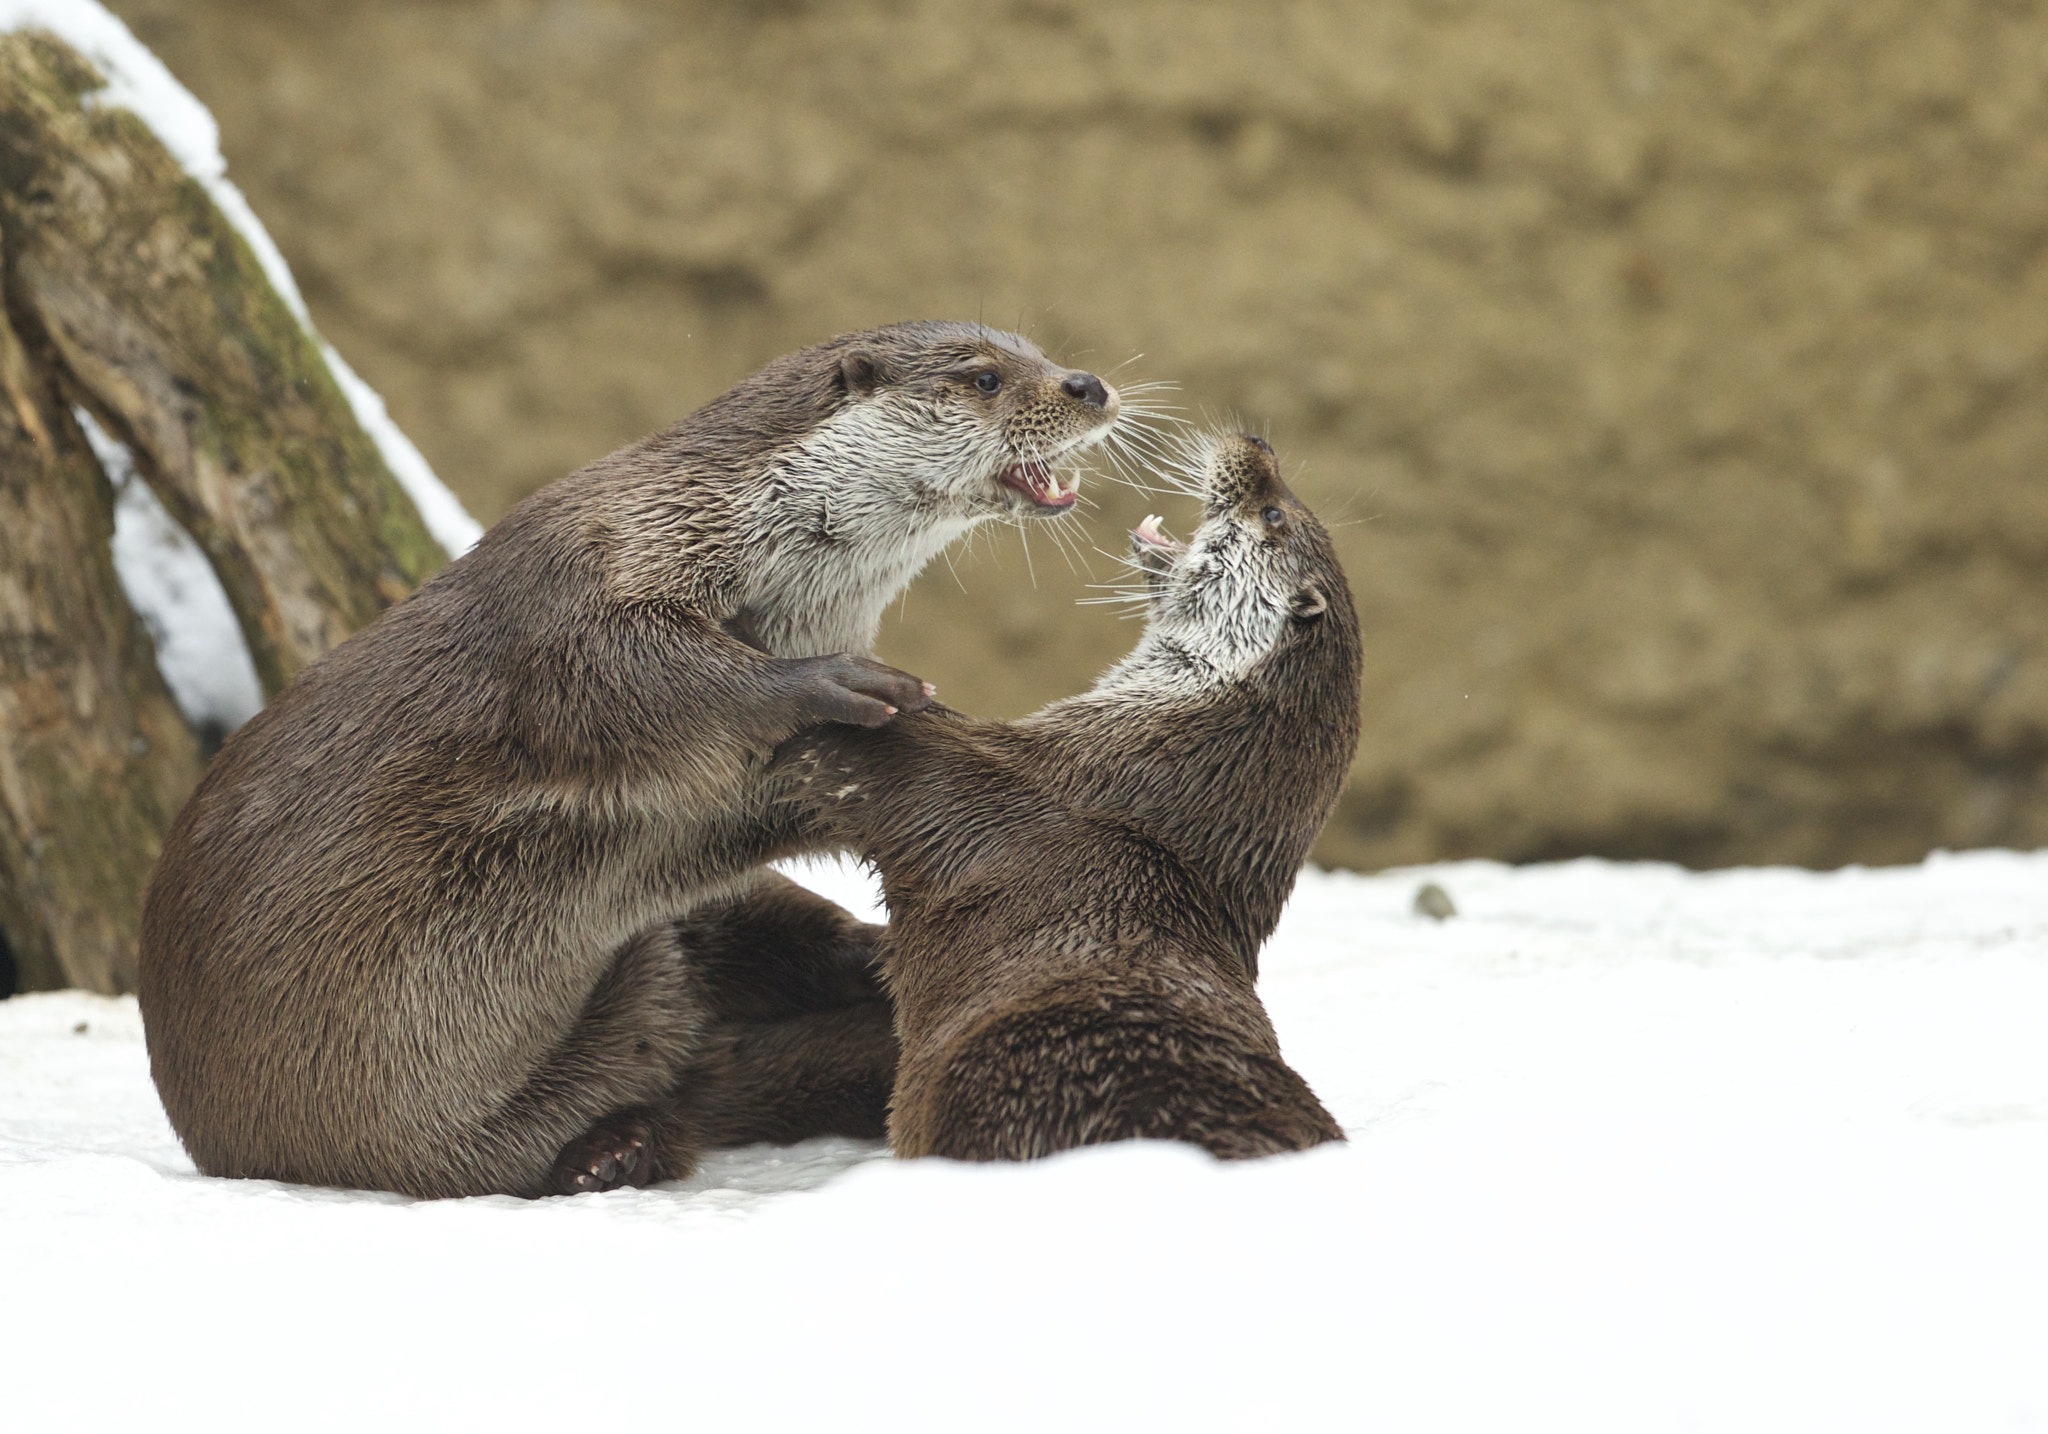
(1153, 536)
(1155, 550)
(1036, 481)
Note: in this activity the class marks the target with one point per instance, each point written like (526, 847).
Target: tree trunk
(94, 758)
(163, 318)
(127, 292)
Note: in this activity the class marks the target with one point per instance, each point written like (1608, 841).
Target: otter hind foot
(618, 1151)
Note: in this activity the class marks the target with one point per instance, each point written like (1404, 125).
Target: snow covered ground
(1631, 1149)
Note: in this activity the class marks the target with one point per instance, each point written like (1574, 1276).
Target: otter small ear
(1308, 604)
(861, 371)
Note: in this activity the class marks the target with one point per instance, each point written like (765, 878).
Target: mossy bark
(94, 757)
(161, 315)
(129, 293)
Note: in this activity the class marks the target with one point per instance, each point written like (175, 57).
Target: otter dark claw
(606, 1157)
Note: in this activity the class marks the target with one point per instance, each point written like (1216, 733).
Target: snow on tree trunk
(129, 294)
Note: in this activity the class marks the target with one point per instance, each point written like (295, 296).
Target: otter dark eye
(988, 382)
(1274, 517)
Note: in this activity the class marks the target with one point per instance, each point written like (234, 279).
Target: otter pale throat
(478, 905)
(1182, 791)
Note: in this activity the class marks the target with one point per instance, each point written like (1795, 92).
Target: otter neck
(825, 555)
(1172, 669)
(825, 579)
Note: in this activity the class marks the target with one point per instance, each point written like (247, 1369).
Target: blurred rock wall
(1678, 368)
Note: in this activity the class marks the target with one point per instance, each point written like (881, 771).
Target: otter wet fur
(477, 903)
(1077, 900)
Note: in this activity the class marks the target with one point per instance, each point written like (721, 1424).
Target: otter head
(976, 422)
(1258, 580)
(1230, 727)
(819, 487)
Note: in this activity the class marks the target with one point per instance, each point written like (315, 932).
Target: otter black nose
(1086, 387)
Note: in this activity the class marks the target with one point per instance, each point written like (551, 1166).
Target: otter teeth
(1151, 534)
(1036, 481)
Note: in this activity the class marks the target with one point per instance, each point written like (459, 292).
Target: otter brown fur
(476, 904)
(1077, 900)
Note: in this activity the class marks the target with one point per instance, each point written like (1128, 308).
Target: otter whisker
(1142, 428)
(1153, 448)
(947, 554)
(1127, 562)
(1130, 480)
(1139, 414)
(1146, 423)
(1158, 447)
(1138, 448)
(1024, 537)
(1138, 608)
(1167, 482)
(1062, 542)
(1148, 401)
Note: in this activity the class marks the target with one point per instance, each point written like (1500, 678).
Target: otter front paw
(857, 690)
(613, 1153)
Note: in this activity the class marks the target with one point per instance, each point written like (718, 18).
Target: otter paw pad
(605, 1157)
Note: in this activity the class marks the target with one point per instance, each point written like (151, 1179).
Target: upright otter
(463, 910)
(1077, 900)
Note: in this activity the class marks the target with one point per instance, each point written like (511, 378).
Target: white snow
(1632, 1149)
(199, 646)
(138, 81)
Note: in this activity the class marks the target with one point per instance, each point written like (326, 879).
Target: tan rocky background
(1678, 368)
